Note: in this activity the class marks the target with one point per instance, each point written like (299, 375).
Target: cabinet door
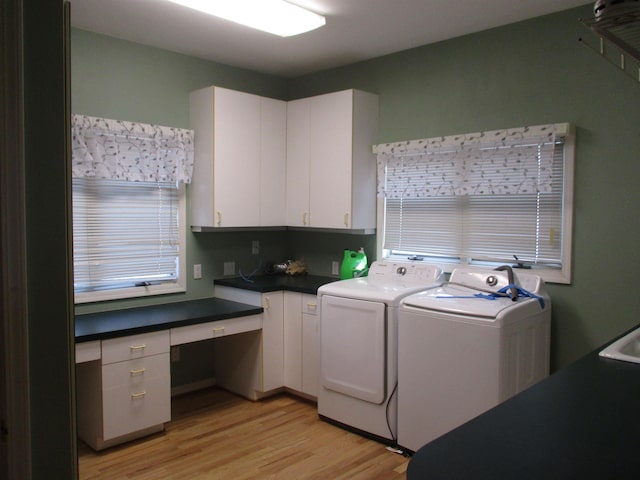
(310, 354)
(310, 345)
(293, 340)
(330, 162)
(298, 163)
(201, 118)
(236, 180)
(272, 341)
(273, 152)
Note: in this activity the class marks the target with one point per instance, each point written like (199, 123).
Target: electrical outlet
(229, 268)
(175, 353)
(335, 268)
(197, 271)
(255, 247)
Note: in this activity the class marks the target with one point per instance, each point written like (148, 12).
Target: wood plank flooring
(214, 434)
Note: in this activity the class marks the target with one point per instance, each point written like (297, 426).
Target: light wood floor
(215, 434)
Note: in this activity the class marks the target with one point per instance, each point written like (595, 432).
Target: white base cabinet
(127, 394)
(285, 353)
(301, 343)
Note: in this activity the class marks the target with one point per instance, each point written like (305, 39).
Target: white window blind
(484, 197)
(125, 234)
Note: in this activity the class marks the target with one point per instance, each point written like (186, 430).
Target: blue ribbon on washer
(499, 294)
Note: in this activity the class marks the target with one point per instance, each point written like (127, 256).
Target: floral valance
(119, 150)
(511, 161)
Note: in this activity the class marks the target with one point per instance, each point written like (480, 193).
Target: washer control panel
(407, 273)
(483, 278)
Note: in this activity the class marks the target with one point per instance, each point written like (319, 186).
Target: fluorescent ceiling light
(274, 16)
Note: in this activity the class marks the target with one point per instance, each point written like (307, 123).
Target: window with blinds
(128, 207)
(125, 234)
(481, 198)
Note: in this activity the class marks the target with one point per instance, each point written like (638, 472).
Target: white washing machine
(358, 345)
(467, 345)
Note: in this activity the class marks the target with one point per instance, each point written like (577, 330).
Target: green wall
(118, 79)
(527, 73)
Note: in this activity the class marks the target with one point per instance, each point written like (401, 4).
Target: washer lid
(461, 300)
(387, 282)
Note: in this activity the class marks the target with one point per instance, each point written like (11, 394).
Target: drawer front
(134, 346)
(135, 373)
(87, 351)
(310, 304)
(221, 328)
(128, 409)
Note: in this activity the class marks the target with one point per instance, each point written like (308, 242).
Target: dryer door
(352, 347)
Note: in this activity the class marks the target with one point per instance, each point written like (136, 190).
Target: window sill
(126, 293)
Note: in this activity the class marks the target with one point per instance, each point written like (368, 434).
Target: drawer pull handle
(312, 305)
(140, 371)
(218, 330)
(137, 347)
(138, 395)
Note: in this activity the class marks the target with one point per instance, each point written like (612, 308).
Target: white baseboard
(192, 387)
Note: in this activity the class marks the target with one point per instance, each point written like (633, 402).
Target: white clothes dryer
(467, 345)
(358, 345)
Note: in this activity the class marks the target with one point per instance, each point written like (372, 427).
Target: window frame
(550, 275)
(177, 286)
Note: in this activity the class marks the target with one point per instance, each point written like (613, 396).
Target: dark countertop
(131, 321)
(581, 422)
(271, 283)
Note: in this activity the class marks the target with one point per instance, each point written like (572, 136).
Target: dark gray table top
(131, 321)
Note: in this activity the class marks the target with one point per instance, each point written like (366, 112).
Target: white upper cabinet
(331, 170)
(261, 162)
(239, 168)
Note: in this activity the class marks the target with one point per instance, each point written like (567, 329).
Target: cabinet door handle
(267, 303)
(137, 347)
(140, 371)
(138, 395)
(346, 219)
(219, 214)
(304, 218)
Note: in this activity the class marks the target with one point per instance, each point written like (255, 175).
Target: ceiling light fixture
(274, 16)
